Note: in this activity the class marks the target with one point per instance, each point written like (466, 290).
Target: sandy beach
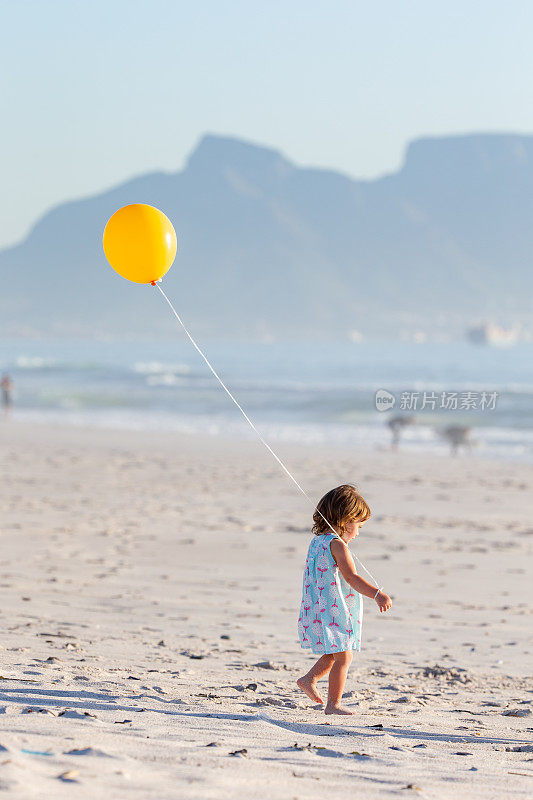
(150, 588)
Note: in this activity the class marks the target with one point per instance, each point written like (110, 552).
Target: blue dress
(331, 612)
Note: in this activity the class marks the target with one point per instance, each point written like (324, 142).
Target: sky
(97, 91)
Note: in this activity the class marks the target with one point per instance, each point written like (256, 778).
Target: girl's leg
(337, 680)
(307, 682)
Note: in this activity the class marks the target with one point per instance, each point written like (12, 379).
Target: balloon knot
(152, 283)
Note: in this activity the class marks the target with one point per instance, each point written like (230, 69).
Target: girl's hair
(339, 506)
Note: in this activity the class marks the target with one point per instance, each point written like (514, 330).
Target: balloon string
(249, 421)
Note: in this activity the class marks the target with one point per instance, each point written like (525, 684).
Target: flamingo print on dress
(317, 626)
(350, 598)
(322, 565)
(331, 611)
(335, 612)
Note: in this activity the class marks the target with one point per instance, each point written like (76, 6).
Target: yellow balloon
(140, 243)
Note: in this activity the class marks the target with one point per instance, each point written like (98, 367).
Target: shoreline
(248, 437)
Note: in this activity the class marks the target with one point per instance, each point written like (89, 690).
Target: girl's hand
(384, 602)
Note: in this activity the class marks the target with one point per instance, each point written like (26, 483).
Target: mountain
(266, 247)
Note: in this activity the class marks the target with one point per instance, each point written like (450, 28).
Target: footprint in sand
(87, 751)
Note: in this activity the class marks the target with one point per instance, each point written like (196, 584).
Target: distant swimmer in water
(6, 385)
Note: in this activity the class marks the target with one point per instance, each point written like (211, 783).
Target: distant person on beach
(396, 425)
(457, 436)
(331, 612)
(6, 385)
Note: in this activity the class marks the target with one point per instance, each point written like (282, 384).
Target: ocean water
(293, 391)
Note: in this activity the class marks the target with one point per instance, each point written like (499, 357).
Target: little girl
(331, 612)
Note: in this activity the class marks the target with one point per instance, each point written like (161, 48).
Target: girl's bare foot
(309, 687)
(330, 709)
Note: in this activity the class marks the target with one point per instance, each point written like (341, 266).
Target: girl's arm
(343, 559)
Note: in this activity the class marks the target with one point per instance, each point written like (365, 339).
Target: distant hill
(265, 247)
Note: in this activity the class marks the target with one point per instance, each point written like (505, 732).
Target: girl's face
(351, 530)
